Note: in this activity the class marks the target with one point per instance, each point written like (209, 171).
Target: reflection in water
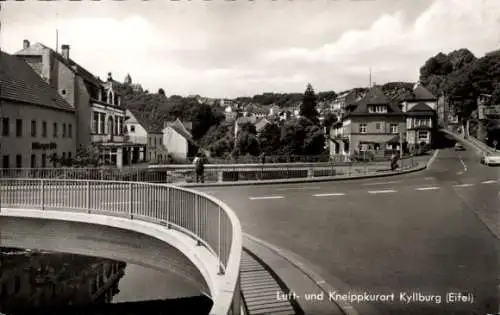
(40, 282)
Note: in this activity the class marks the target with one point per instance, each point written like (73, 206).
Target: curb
(302, 180)
(345, 307)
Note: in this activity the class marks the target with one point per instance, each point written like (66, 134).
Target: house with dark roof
(36, 122)
(142, 130)
(420, 109)
(373, 123)
(178, 140)
(99, 112)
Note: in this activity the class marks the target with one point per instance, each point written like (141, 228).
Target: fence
(212, 173)
(207, 220)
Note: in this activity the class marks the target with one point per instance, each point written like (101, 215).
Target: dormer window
(377, 109)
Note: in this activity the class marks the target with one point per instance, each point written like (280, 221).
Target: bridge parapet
(207, 220)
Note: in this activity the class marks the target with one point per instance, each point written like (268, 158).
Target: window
(64, 131)
(377, 126)
(422, 135)
(161, 141)
(394, 128)
(5, 161)
(379, 109)
(33, 128)
(44, 160)
(362, 128)
(64, 155)
(95, 123)
(19, 161)
(19, 127)
(5, 127)
(70, 131)
(102, 123)
(132, 128)
(69, 156)
(421, 122)
(44, 129)
(33, 161)
(55, 130)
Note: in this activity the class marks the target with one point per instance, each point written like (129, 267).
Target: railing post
(168, 208)
(42, 193)
(310, 172)
(88, 196)
(219, 228)
(130, 200)
(197, 219)
(220, 177)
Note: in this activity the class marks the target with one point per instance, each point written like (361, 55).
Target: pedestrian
(199, 164)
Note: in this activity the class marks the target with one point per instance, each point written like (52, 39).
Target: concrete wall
(13, 145)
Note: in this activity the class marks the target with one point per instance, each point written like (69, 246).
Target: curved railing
(204, 218)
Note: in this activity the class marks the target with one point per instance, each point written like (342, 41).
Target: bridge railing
(206, 219)
(212, 173)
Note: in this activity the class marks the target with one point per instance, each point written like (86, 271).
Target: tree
(203, 117)
(329, 120)
(309, 103)
(269, 139)
(161, 92)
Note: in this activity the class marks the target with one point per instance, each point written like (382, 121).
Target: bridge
(434, 232)
(202, 235)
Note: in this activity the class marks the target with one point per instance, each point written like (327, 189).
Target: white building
(36, 123)
(178, 140)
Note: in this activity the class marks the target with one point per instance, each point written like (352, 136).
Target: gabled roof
(148, 124)
(375, 96)
(75, 67)
(421, 93)
(179, 127)
(261, 124)
(421, 107)
(19, 82)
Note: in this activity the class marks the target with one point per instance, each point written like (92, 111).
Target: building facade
(142, 131)
(36, 123)
(420, 109)
(178, 140)
(373, 124)
(98, 110)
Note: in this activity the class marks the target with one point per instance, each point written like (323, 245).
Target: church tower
(128, 79)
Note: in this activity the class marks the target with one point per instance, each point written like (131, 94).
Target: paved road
(431, 232)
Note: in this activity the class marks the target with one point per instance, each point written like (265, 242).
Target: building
(420, 109)
(373, 124)
(260, 124)
(141, 130)
(36, 123)
(178, 140)
(137, 88)
(97, 104)
(346, 99)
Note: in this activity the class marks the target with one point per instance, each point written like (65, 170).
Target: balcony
(107, 138)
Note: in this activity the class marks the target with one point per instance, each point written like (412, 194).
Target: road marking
(489, 182)
(463, 164)
(382, 183)
(266, 197)
(427, 188)
(463, 185)
(387, 191)
(433, 157)
(328, 195)
(429, 178)
(299, 188)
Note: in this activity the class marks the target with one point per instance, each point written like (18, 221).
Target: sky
(236, 48)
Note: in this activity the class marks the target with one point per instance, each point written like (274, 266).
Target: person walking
(199, 165)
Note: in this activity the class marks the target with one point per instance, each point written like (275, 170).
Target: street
(432, 232)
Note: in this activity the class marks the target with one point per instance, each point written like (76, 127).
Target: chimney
(26, 44)
(65, 51)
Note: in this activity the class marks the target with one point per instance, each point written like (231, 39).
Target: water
(40, 282)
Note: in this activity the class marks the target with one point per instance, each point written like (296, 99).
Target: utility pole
(57, 32)
(370, 79)
(401, 145)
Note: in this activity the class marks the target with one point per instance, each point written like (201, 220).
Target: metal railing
(212, 173)
(206, 219)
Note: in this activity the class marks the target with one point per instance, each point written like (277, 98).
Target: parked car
(490, 159)
(459, 147)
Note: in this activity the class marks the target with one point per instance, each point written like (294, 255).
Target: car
(490, 159)
(459, 147)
